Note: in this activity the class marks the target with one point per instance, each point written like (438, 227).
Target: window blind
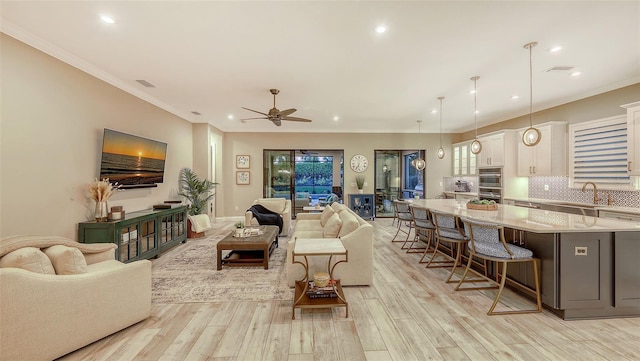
(599, 152)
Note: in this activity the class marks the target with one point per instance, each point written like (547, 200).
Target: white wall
(53, 116)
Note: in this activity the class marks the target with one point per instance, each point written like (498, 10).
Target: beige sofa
(44, 316)
(281, 206)
(356, 235)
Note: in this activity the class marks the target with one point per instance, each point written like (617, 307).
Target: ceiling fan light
(531, 136)
(440, 153)
(476, 146)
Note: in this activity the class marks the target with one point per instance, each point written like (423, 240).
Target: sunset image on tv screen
(132, 160)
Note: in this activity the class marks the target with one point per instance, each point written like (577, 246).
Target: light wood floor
(408, 314)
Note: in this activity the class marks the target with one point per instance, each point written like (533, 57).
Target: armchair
(278, 205)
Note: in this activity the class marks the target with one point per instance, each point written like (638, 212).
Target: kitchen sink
(573, 208)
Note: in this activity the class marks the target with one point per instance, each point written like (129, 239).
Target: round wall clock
(359, 163)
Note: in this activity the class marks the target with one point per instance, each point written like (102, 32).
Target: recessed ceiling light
(107, 19)
(381, 29)
(230, 116)
(555, 49)
(516, 96)
(477, 112)
(434, 111)
(472, 91)
(576, 73)
(336, 118)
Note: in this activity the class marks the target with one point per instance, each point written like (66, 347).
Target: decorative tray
(482, 207)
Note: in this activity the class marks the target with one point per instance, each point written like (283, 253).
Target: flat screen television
(132, 161)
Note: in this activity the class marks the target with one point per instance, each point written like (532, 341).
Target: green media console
(140, 235)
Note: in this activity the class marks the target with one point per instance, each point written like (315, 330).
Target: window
(598, 153)
(314, 174)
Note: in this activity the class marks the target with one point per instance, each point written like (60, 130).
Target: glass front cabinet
(464, 162)
(140, 235)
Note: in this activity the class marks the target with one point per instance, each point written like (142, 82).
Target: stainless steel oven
(490, 183)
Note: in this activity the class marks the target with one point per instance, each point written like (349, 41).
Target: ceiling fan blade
(253, 118)
(255, 111)
(284, 113)
(296, 119)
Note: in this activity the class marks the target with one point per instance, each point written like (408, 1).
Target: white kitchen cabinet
(492, 152)
(549, 157)
(633, 137)
(464, 162)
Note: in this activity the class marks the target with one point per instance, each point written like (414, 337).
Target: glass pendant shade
(420, 164)
(440, 150)
(476, 146)
(531, 136)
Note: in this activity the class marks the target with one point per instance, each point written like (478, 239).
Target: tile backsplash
(559, 190)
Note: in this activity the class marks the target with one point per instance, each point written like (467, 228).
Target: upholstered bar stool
(448, 230)
(487, 241)
(423, 228)
(405, 220)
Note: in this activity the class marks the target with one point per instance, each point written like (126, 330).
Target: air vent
(146, 83)
(561, 68)
(196, 113)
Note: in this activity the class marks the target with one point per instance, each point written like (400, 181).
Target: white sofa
(44, 316)
(281, 206)
(356, 235)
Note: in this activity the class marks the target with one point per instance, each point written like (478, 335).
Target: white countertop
(603, 207)
(531, 220)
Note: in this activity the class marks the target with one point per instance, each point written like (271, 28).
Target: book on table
(322, 292)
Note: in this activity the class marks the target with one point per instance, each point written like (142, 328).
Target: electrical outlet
(581, 251)
(546, 187)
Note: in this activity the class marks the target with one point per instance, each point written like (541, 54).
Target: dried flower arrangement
(100, 191)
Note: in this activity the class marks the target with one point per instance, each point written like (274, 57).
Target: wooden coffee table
(249, 250)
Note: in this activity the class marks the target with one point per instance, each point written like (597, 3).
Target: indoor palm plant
(197, 191)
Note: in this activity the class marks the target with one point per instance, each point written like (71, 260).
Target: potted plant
(360, 183)
(239, 229)
(197, 191)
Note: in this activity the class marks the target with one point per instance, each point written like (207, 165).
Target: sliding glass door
(307, 177)
(396, 178)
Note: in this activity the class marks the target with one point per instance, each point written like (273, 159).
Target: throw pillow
(326, 213)
(332, 228)
(66, 260)
(338, 207)
(273, 204)
(349, 223)
(28, 258)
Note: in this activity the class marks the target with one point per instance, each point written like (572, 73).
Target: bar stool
(487, 241)
(405, 219)
(447, 230)
(424, 229)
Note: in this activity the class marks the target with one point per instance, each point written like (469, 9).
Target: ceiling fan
(275, 115)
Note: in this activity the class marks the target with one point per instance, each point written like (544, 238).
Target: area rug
(188, 274)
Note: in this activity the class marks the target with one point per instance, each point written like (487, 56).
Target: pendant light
(476, 146)
(440, 150)
(419, 163)
(531, 136)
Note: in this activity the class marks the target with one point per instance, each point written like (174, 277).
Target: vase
(360, 191)
(101, 211)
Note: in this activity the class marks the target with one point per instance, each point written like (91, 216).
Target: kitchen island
(590, 266)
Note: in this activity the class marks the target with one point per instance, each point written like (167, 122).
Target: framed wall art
(243, 177)
(243, 161)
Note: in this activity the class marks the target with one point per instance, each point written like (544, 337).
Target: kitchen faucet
(595, 191)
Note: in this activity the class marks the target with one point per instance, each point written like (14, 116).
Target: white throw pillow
(349, 223)
(326, 214)
(66, 260)
(273, 204)
(332, 228)
(30, 259)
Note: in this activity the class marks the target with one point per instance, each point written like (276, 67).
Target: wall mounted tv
(132, 161)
